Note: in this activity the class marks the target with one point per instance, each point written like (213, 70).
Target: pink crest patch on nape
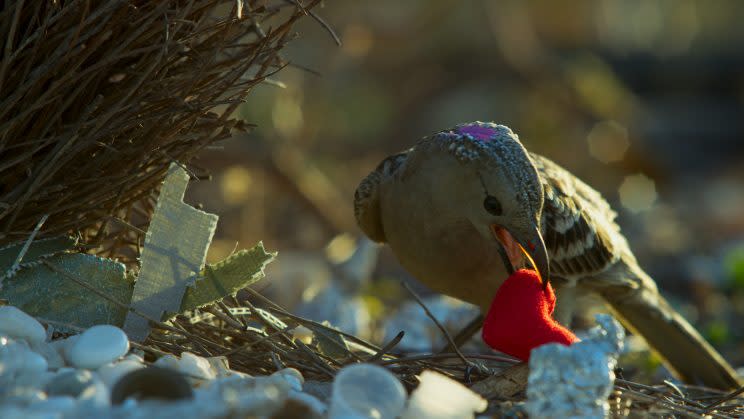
(478, 132)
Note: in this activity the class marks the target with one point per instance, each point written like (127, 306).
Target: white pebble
(70, 383)
(97, 346)
(440, 397)
(131, 356)
(256, 396)
(56, 406)
(17, 358)
(63, 346)
(111, 372)
(19, 325)
(34, 362)
(167, 361)
(312, 402)
(65, 369)
(8, 411)
(195, 366)
(50, 353)
(291, 376)
(95, 396)
(21, 395)
(302, 333)
(32, 379)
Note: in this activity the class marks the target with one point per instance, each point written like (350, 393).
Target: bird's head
(482, 172)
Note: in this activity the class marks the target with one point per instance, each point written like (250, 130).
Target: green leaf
(227, 277)
(41, 291)
(330, 343)
(37, 250)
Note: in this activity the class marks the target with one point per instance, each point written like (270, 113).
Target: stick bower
(97, 98)
(256, 343)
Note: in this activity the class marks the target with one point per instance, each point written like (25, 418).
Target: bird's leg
(566, 303)
(478, 366)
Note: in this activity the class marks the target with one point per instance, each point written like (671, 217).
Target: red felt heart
(521, 317)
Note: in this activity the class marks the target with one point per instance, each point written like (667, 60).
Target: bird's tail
(689, 356)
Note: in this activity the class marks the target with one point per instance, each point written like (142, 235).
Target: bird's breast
(445, 253)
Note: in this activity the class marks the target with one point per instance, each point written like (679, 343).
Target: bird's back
(588, 250)
(578, 225)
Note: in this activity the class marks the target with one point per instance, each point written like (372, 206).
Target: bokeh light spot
(341, 248)
(357, 40)
(608, 141)
(637, 193)
(287, 116)
(235, 183)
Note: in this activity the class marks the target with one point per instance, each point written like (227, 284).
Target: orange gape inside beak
(514, 250)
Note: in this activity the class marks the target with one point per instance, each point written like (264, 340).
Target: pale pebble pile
(74, 378)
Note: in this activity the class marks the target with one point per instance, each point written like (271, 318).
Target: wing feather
(578, 224)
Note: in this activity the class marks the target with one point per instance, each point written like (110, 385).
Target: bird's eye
(492, 205)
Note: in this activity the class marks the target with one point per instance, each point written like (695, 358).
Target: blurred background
(643, 99)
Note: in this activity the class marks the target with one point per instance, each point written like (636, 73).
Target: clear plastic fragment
(575, 381)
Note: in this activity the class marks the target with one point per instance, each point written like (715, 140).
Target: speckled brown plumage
(427, 204)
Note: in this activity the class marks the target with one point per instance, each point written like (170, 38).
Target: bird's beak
(529, 245)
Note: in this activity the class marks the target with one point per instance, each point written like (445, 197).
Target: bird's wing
(579, 226)
(367, 200)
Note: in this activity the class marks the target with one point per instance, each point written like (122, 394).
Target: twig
(257, 342)
(279, 310)
(677, 408)
(277, 362)
(385, 349)
(224, 317)
(134, 105)
(61, 324)
(126, 224)
(679, 396)
(730, 396)
(430, 357)
(465, 333)
(226, 309)
(17, 263)
(318, 19)
(436, 322)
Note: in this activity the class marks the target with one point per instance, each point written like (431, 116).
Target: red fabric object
(521, 317)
